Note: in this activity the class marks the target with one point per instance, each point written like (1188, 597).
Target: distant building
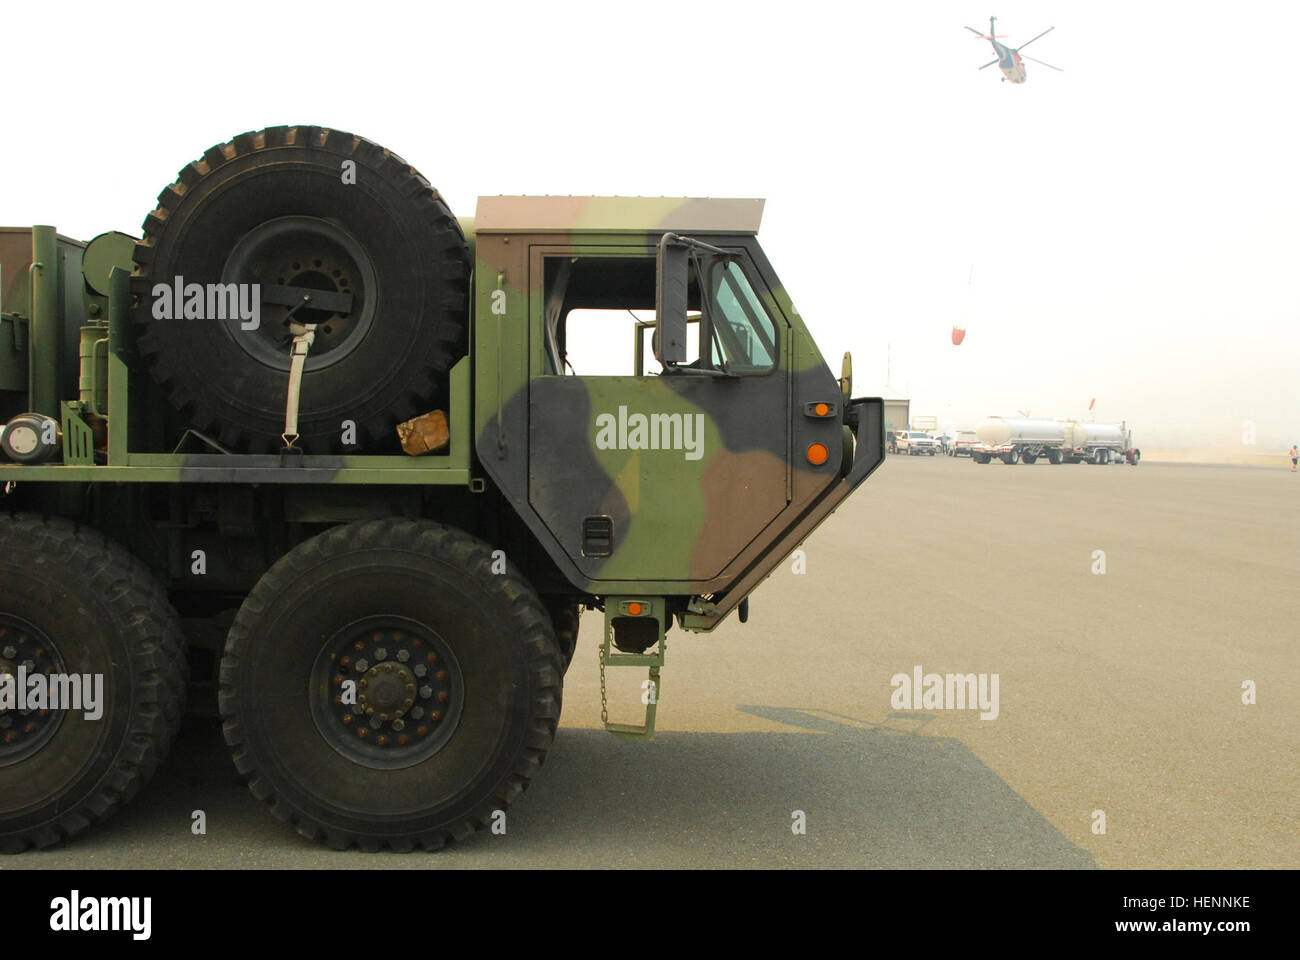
(898, 411)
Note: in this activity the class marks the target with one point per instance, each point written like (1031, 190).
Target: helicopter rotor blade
(990, 63)
(1041, 63)
(1028, 42)
(984, 36)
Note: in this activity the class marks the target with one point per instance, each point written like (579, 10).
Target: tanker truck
(1013, 439)
(1060, 441)
(1100, 443)
(312, 446)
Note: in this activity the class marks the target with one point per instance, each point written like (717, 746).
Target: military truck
(312, 449)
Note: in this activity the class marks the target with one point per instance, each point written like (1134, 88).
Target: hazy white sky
(1127, 230)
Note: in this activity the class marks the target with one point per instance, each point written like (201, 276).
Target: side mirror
(671, 279)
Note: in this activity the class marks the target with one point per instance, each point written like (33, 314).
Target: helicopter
(1008, 58)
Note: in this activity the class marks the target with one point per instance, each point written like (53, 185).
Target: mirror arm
(693, 244)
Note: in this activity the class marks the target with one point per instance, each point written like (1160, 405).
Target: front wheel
(383, 687)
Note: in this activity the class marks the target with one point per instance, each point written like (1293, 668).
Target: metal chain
(604, 701)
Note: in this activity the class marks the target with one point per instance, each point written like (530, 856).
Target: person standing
(1295, 455)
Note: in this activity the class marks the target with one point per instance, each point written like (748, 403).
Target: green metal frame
(455, 467)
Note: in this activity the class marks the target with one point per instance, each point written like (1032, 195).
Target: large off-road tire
(73, 602)
(304, 209)
(566, 617)
(459, 666)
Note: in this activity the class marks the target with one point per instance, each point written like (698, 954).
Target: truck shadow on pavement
(871, 796)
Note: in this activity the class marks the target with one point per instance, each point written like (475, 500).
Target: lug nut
(426, 691)
(417, 713)
(381, 653)
(403, 655)
(376, 723)
(11, 652)
(362, 666)
(420, 669)
(399, 724)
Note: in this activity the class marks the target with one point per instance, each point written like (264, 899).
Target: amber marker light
(822, 409)
(817, 454)
(634, 608)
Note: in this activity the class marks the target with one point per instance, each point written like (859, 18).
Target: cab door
(651, 474)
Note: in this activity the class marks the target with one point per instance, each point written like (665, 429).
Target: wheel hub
(25, 729)
(386, 692)
(303, 256)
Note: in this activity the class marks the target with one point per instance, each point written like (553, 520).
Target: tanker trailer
(1011, 439)
(1100, 443)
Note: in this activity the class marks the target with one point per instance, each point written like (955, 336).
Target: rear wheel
(1054, 456)
(1030, 458)
(383, 687)
(1009, 457)
(75, 604)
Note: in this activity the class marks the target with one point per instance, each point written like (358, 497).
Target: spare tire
(302, 211)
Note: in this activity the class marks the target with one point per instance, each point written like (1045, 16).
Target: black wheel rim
(409, 692)
(303, 254)
(24, 652)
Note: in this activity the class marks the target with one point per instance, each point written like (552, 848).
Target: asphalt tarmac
(1119, 700)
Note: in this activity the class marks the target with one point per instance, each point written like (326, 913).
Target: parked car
(916, 443)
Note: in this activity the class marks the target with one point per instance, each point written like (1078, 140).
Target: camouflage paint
(681, 527)
(704, 530)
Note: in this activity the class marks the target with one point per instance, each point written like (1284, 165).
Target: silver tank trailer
(998, 431)
(1090, 436)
